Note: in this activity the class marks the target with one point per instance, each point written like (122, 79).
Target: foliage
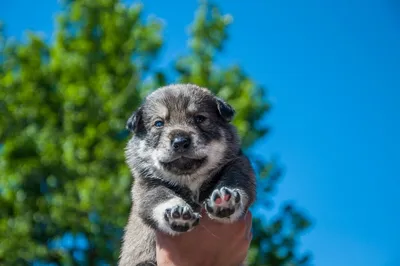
(64, 185)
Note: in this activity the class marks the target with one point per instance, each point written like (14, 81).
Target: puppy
(184, 155)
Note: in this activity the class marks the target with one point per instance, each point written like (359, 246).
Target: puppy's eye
(199, 119)
(159, 123)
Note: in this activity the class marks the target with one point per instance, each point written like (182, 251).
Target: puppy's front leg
(164, 210)
(234, 193)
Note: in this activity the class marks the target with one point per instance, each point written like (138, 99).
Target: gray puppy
(184, 155)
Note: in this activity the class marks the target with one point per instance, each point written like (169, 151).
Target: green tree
(63, 110)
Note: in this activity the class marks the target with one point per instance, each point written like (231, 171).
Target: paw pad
(181, 218)
(223, 202)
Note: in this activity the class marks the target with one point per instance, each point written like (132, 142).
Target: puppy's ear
(225, 110)
(135, 122)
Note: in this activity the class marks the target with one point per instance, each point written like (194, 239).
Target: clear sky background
(332, 69)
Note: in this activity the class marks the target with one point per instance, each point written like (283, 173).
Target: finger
(162, 238)
(249, 220)
(248, 216)
(249, 236)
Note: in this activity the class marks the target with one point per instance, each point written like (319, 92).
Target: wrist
(179, 259)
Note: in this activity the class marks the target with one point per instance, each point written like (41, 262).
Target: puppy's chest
(195, 192)
(198, 192)
(193, 187)
(201, 193)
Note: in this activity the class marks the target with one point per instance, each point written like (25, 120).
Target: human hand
(210, 243)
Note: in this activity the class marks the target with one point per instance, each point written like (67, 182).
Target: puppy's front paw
(175, 216)
(181, 218)
(225, 204)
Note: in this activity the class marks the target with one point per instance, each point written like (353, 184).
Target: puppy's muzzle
(180, 142)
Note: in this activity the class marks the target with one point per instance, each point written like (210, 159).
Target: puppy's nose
(180, 143)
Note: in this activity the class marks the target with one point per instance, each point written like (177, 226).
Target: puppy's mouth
(183, 165)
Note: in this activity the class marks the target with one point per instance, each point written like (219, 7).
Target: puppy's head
(181, 130)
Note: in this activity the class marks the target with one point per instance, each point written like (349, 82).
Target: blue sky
(332, 69)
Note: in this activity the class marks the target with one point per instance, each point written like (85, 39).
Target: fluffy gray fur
(184, 155)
